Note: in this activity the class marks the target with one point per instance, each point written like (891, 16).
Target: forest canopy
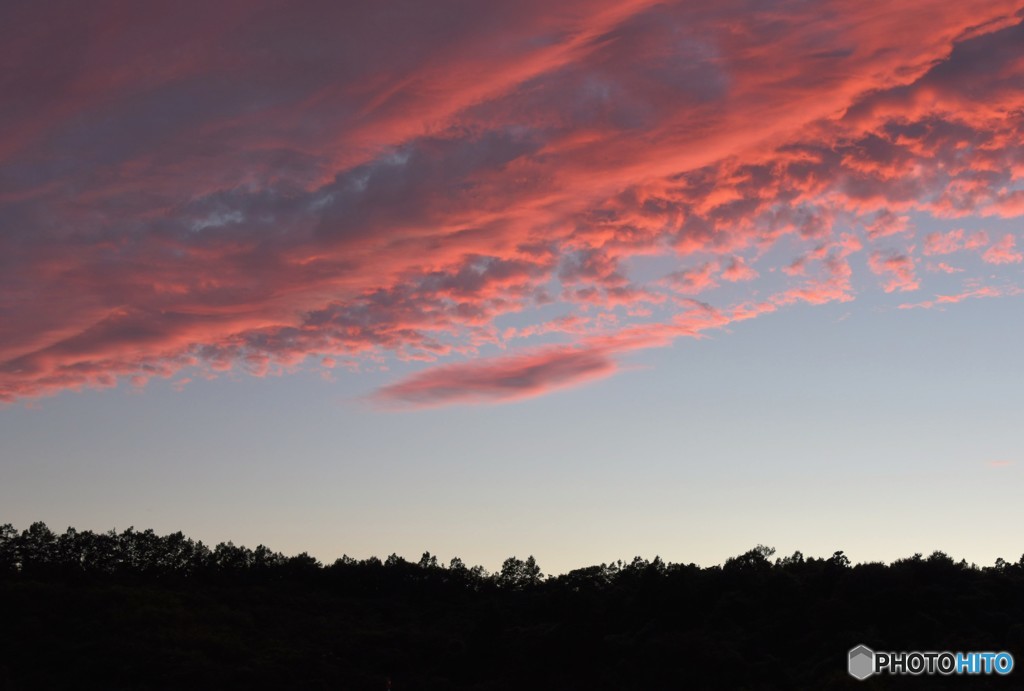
(137, 610)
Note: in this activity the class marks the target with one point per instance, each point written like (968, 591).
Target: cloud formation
(501, 379)
(1003, 252)
(193, 189)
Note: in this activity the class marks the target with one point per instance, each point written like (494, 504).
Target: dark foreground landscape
(135, 610)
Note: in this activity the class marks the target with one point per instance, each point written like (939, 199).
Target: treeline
(39, 552)
(136, 610)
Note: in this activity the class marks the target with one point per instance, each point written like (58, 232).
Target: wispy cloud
(501, 379)
(940, 300)
(189, 192)
(999, 464)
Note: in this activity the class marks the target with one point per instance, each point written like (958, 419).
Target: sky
(584, 280)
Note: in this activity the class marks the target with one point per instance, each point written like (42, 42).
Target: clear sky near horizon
(583, 281)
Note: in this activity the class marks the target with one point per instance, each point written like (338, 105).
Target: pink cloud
(976, 240)
(1003, 252)
(568, 324)
(500, 379)
(887, 223)
(539, 371)
(897, 268)
(940, 300)
(696, 280)
(943, 267)
(795, 267)
(737, 270)
(954, 241)
(1000, 464)
(943, 243)
(375, 182)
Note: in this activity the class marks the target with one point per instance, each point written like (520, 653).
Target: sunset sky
(582, 279)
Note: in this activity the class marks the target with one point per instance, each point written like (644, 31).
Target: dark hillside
(135, 610)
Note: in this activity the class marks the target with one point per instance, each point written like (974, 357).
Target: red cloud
(255, 184)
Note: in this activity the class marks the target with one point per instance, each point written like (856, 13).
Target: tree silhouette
(134, 609)
(517, 574)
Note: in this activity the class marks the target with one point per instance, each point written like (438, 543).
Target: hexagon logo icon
(862, 662)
